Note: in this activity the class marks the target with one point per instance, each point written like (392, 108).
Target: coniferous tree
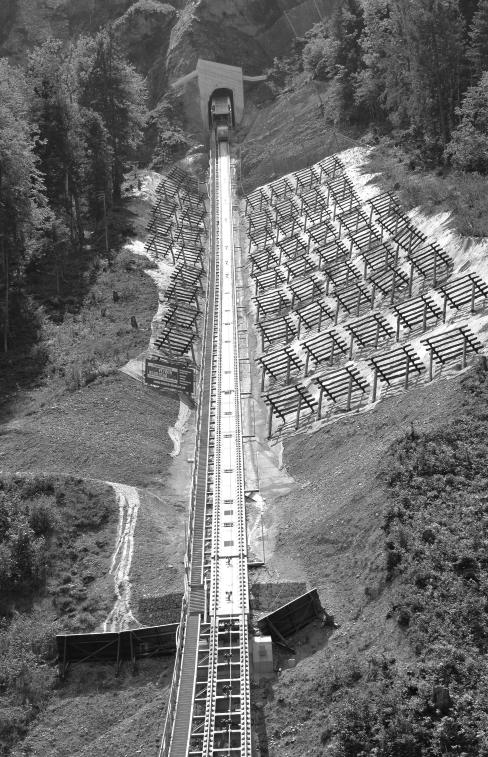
(413, 52)
(436, 29)
(381, 84)
(61, 145)
(477, 53)
(22, 200)
(113, 89)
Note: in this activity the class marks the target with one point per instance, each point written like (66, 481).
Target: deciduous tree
(468, 148)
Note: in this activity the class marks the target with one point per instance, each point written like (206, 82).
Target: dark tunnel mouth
(219, 92)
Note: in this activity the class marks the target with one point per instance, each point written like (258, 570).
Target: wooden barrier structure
(378, 257)
(272, 303)
(272, 278)
(332, 252)
(278, 364)
(369, 331)
(391, 281)
(339, 385)
(430, 262)
(175, 341)
(278, 189)
(388, 214)
(409, 238)
(181, 316)
(288, 227)
(256, 200)
(313, 206)
(188, 275)
(292, 247)
(323, 234)
(300, 266)
(465, 290)
(419, 311)
(353, 299)
(323, 346)
(281, 329)
(340, 194)
(263, 260)
(340, 274)
(312, 316)
(329, 168)
(181, 293)
(260, 238)
(398, 363)
(286, 401)
(258, 220)
(450, 345)
(306, 289)
(305, 180)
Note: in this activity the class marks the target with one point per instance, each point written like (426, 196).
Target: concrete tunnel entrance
(221, 92)
(211, 77)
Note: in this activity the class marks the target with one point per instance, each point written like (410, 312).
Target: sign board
(169, 374)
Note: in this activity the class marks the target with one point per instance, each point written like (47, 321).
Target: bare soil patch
(288, 134)
(115, 429)
(96, 714)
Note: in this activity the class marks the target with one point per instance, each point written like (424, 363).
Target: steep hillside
(242, 33)
(25, 23)
(164, 40)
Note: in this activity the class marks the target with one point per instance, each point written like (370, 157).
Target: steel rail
(211, 714)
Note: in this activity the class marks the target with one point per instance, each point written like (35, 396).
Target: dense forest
(70, 122)
(413, 67)
(73, 117)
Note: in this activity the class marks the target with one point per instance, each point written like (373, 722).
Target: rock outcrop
(164, 40)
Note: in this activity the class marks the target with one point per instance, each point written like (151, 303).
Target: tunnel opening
(219, 96)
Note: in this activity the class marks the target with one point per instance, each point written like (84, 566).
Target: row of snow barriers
(339, 286)
(175, 235)
(176, 239)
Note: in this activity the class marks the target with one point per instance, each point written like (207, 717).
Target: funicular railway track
(209, 714)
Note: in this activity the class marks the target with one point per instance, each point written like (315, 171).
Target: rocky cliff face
(145, 32)
(164, 40)
(247, 33)
(25, 23)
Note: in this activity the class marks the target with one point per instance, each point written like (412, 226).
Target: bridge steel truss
(209, 713)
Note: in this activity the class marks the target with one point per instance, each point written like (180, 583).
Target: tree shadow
(22, 367)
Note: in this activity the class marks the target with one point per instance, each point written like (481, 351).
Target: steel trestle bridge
(209, 711)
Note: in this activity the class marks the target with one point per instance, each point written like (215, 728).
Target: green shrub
(461, 194)
(468, 148)
(43, 518)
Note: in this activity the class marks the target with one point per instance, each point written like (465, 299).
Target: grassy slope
(95, 714)
(286, 134)
(85, 417)
(332, 527)
(461, 194)
(77, 414)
